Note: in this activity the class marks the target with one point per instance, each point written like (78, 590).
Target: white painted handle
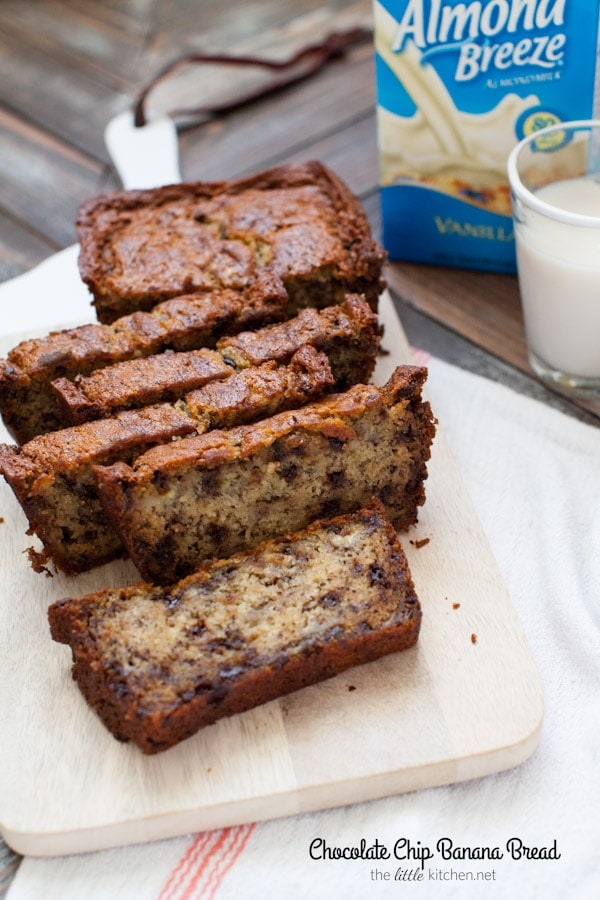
(144, 157)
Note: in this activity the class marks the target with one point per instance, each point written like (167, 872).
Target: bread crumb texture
(159, 663)
(217, 493)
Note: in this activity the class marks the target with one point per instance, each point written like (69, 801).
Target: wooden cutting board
(451, 709)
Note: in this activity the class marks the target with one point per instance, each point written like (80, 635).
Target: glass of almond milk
(554, 175)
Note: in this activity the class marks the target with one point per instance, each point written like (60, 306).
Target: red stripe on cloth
(227, 862)
(201, 869)
(221, 857)
(185, 864)
(223, 837)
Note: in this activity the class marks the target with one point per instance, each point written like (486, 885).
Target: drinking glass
(554, 174)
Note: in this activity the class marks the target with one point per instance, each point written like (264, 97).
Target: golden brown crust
(157, 665)
(30, 406)
(348, 334)
(300, 222)
(137, 383)
(326, 416)
(27, 402)
(212, 494)
(52, 474)
(261, 391)
(231, 255)
(69, 447)
(52, 478)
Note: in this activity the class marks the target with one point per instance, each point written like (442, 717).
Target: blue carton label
(458, 85)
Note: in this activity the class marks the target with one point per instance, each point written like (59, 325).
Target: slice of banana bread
(52, 478)
(348, 334)
(260, 391)
(27, 402)
(300, 222)
(159, 664)
(136, 383)
(218, 493)
(31, 405)
(52, 475)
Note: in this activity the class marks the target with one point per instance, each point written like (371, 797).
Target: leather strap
(299, 66)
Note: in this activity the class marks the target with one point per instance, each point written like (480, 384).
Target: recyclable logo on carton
(458, 84)
(534, 120)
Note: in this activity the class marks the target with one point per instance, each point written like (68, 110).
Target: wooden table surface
(68, 66)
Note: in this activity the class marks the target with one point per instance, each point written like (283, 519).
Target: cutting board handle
(146, 156)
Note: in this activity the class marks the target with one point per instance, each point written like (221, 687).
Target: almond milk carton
(458, 84)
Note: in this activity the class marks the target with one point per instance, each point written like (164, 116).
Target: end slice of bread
(157, 664)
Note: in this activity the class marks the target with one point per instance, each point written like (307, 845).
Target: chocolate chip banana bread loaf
(218, 493)
(28, 404)
(32, 404)
(348, 334)
(300, 222)
(159, 664)
(52, 475)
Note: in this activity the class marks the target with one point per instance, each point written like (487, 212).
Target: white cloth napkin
(534, 477)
